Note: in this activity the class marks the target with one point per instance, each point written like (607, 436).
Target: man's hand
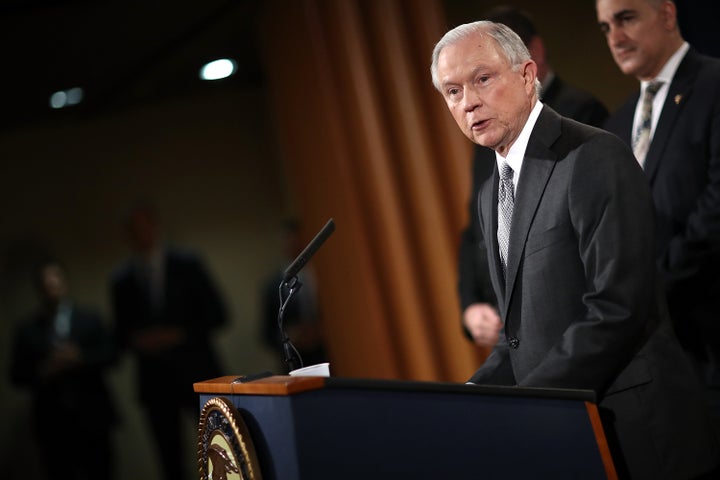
(64, 357)
(158, 339)
(483, 323)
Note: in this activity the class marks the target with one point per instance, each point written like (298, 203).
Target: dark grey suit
(581, 305)
(683, 168)
(473, 280)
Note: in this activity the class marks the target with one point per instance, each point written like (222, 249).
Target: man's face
(489, 101)
(143, 231)
(53, 284)
(636, 33)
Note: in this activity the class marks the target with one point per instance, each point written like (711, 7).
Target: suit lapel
(488, 208)
(678, 93)
(538, 164)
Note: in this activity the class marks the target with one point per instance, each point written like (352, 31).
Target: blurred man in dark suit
(675, 135)
(61, 354)
(166, 307)
(480, 319)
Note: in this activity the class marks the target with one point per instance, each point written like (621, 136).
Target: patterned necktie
(641, 139)
(506, 202)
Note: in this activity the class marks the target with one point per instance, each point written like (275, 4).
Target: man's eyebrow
(622, 13)
(617, 17)
(479, 69)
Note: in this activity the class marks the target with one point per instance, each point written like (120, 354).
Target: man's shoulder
(576, 103)
(706, 71)
(181, 256)
(575, 136)
(556, 123)
(710, 65)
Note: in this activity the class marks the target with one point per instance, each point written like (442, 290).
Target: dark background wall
(209, 165)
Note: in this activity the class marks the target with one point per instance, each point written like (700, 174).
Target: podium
(317, 428)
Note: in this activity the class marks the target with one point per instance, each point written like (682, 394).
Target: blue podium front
(316, 428)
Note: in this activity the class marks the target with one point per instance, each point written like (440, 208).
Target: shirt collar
(517, 151)
(668, 71)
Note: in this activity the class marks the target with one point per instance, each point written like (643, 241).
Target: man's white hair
(509, 42)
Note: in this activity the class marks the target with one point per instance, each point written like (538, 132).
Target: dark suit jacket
(76, 394)
(581, 305)
(473, 279)
(683, 168)
(192, 302)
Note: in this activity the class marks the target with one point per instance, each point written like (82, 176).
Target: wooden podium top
(268, 384)
(273, 385)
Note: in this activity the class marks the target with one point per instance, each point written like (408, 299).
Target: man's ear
(668, 10)
(529, 70)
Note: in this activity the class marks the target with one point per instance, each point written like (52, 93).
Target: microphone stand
(292, 359)
(292, 284)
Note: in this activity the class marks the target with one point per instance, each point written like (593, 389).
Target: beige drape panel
(367, 141)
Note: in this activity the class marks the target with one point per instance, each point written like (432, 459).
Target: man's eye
(624, 19)
(604, 28)
(453, 91)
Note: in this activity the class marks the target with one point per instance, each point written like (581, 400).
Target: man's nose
(472, 100)
(615, 36)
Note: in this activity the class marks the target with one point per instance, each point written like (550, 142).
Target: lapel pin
(678, 97)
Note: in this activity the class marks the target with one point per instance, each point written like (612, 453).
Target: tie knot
(506, 172)
(652, 88)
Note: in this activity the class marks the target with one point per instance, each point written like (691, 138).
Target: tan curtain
(367, 141)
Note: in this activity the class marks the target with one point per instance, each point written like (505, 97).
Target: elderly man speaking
(567, 219)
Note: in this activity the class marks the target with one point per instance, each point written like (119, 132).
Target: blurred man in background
(166, 307)
(60, 354)
(673, 126)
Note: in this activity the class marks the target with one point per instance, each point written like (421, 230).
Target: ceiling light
(218, 69)
(66, 98)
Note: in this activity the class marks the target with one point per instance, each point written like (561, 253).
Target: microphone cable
(293, 359)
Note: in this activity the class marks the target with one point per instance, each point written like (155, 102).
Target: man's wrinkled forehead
(477, 47)
(615, 9)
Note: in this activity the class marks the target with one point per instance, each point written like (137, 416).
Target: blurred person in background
(60, 354)
(675, 136)
(166, 306)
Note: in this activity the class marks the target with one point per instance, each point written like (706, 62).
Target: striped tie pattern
(506, 202)
(641, 139)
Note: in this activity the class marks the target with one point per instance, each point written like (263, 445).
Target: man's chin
(483, 141)
(628, 66)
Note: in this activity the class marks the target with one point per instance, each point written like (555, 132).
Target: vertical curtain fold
(366, 140)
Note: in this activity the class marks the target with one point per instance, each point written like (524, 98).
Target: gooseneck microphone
(309, 250)
(291, 285)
